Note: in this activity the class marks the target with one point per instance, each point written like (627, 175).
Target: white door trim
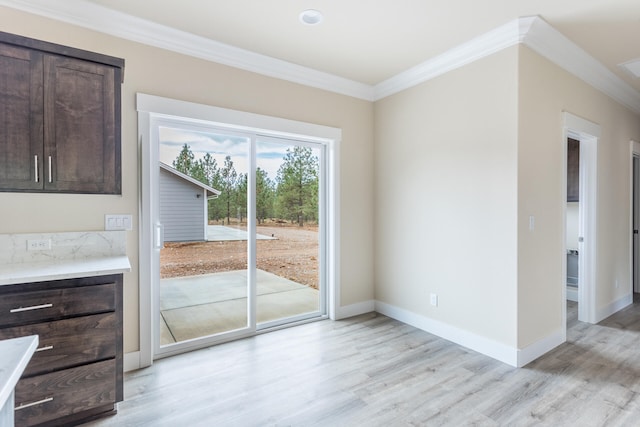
(634, 189)
(148, 107)
(588, 134)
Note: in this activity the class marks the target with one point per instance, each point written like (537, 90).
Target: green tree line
(291, 196)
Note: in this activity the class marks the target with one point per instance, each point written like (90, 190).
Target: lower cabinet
(66, 392)
(76, 373)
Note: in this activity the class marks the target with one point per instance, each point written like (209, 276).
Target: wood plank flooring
(374, 371)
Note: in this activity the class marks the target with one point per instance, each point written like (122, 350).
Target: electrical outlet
(434, 300)
(118, 222)
(39, 244)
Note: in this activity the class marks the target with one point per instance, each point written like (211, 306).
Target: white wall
(158, 72)
(462, 163)
(545, 91)
(446, 199)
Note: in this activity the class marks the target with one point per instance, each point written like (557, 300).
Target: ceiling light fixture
(311, 17)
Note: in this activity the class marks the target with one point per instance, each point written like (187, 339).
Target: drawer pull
(39, 402)
(33, 307)
(35, 167)
(45, 348)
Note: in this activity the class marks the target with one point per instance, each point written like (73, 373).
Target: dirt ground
(293, 255)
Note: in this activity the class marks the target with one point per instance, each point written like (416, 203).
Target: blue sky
(268, 154)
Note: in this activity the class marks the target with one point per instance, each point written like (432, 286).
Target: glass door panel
(204, 288)
(288, 182)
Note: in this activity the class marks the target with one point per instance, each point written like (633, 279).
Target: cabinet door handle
(35, 167)
(33, 307)
(39, 402)
(49, 168)
(45, 348)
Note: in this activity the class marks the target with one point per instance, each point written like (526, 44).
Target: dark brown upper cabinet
(573, 170)
(60, 113)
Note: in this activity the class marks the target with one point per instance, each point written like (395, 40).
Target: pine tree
(185, 160)
(228, 183)
(297, 185)
(265, 195)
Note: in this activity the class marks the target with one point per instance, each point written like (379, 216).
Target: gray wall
(181, 212)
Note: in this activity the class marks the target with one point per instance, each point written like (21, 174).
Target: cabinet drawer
(69, 342)
(36, 306)
(46, 397)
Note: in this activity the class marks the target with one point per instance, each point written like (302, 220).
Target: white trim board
(355, 309)
(531, 31)
(131, 361)
(612, 308)
(504, 353)
(128, 27)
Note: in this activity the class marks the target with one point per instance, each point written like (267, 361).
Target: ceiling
(370, 41)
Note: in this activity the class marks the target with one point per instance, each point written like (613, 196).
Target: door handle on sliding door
(159, 236)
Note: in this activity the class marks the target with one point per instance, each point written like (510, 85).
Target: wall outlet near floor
(434, 300)
(39, 244)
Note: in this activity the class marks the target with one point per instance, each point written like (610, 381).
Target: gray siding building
(183, 206)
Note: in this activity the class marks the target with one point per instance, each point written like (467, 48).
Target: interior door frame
(150, 238)
(634, 250)
(588, 134)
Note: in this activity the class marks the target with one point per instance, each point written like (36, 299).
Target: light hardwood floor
(374, 371)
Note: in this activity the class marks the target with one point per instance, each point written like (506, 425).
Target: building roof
(212, 193)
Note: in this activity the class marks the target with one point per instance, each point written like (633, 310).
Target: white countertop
(69, 255)
(16, 354)
(62, 269)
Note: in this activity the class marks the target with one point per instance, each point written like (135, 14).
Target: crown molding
(557, 48)
(531, 31)
(489, 43)
(118, 24)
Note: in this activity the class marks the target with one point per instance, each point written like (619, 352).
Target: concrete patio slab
(220, 233)
(197, 306)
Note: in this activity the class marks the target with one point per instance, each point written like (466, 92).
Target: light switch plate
(118, 222)
(434, 300)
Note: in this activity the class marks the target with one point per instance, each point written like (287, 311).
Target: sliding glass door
(203, 288)
(241, 218)
(289, 185)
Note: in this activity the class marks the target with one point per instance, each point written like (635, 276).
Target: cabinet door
(21, 117)
(69, 342)
(63, 393)
(80, 149)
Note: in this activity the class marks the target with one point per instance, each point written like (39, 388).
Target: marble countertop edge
(16, 354)
(63, 269)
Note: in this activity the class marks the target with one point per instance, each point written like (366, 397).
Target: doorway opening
(580, 167)
(572, 219)
(635, 220)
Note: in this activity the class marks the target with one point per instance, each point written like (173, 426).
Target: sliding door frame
(152, 108)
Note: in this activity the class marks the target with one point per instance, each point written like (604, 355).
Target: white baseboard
(355, 309)
(504, 353)
(488, 347)
(613, 307)
(532, 352)
(572, 293)
(131, 361)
